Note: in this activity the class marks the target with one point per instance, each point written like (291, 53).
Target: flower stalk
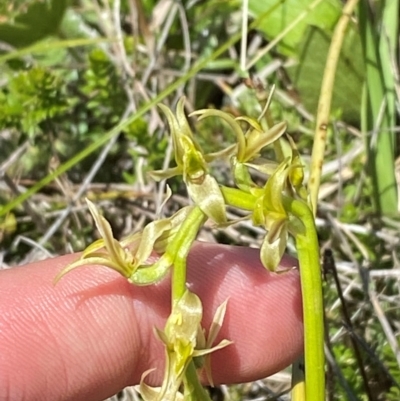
(279, 205)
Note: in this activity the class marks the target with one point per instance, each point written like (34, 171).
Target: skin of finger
(92, 334)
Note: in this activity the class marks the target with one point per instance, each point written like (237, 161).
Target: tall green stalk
(378, 109)
(311, 286)
(313, 307)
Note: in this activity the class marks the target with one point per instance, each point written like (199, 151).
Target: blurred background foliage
(78, 77)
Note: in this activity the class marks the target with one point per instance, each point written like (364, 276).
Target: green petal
(296, 226)
(179, 338)
(208, 197)
(240, 138)
(274, 188)
(215, 328)
(185, 318)
(158, 175)
(275, 227)
(167, 197)
(150, 234)
(241, 175)
(258, 140)
(148, 393)
(150, 274)
(182, 120)
(97, 260)
(176, 220)
(194, 165)
(207, 351)
(216, 323)
(161, 336)
(251, 121)
(93, 247)
(263, 165)
(175, 132)
(221, 154)
(201, 340)
(296, 169)
(258, 215)
(156, 393)
(113, 247)
(271, 252)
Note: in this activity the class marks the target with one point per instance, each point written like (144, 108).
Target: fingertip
(92, 334)
(264, 312)
(76, 340)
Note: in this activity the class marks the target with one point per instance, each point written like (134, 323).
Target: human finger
(92, 334)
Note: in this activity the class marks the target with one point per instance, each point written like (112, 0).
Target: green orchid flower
(191, 162)
(271, 212)
(296, 173)
(129, 257)
(205, 342)
(182, 343)
(248, 144)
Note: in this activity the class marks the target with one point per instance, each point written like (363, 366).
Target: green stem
(192, 383)
(179, 248)
(238, 198)
(311, 287)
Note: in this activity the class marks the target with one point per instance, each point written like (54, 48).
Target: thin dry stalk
(325, 99)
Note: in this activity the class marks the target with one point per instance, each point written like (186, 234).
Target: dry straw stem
(324, 104)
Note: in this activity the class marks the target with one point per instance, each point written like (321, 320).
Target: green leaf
(41, 19)
(307, 75)
(323, 16)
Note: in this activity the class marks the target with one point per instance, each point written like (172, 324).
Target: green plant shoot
(279, 205)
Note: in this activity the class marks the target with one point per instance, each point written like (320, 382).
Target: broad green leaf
(41, 19)
(323, 16)
(307, 75)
